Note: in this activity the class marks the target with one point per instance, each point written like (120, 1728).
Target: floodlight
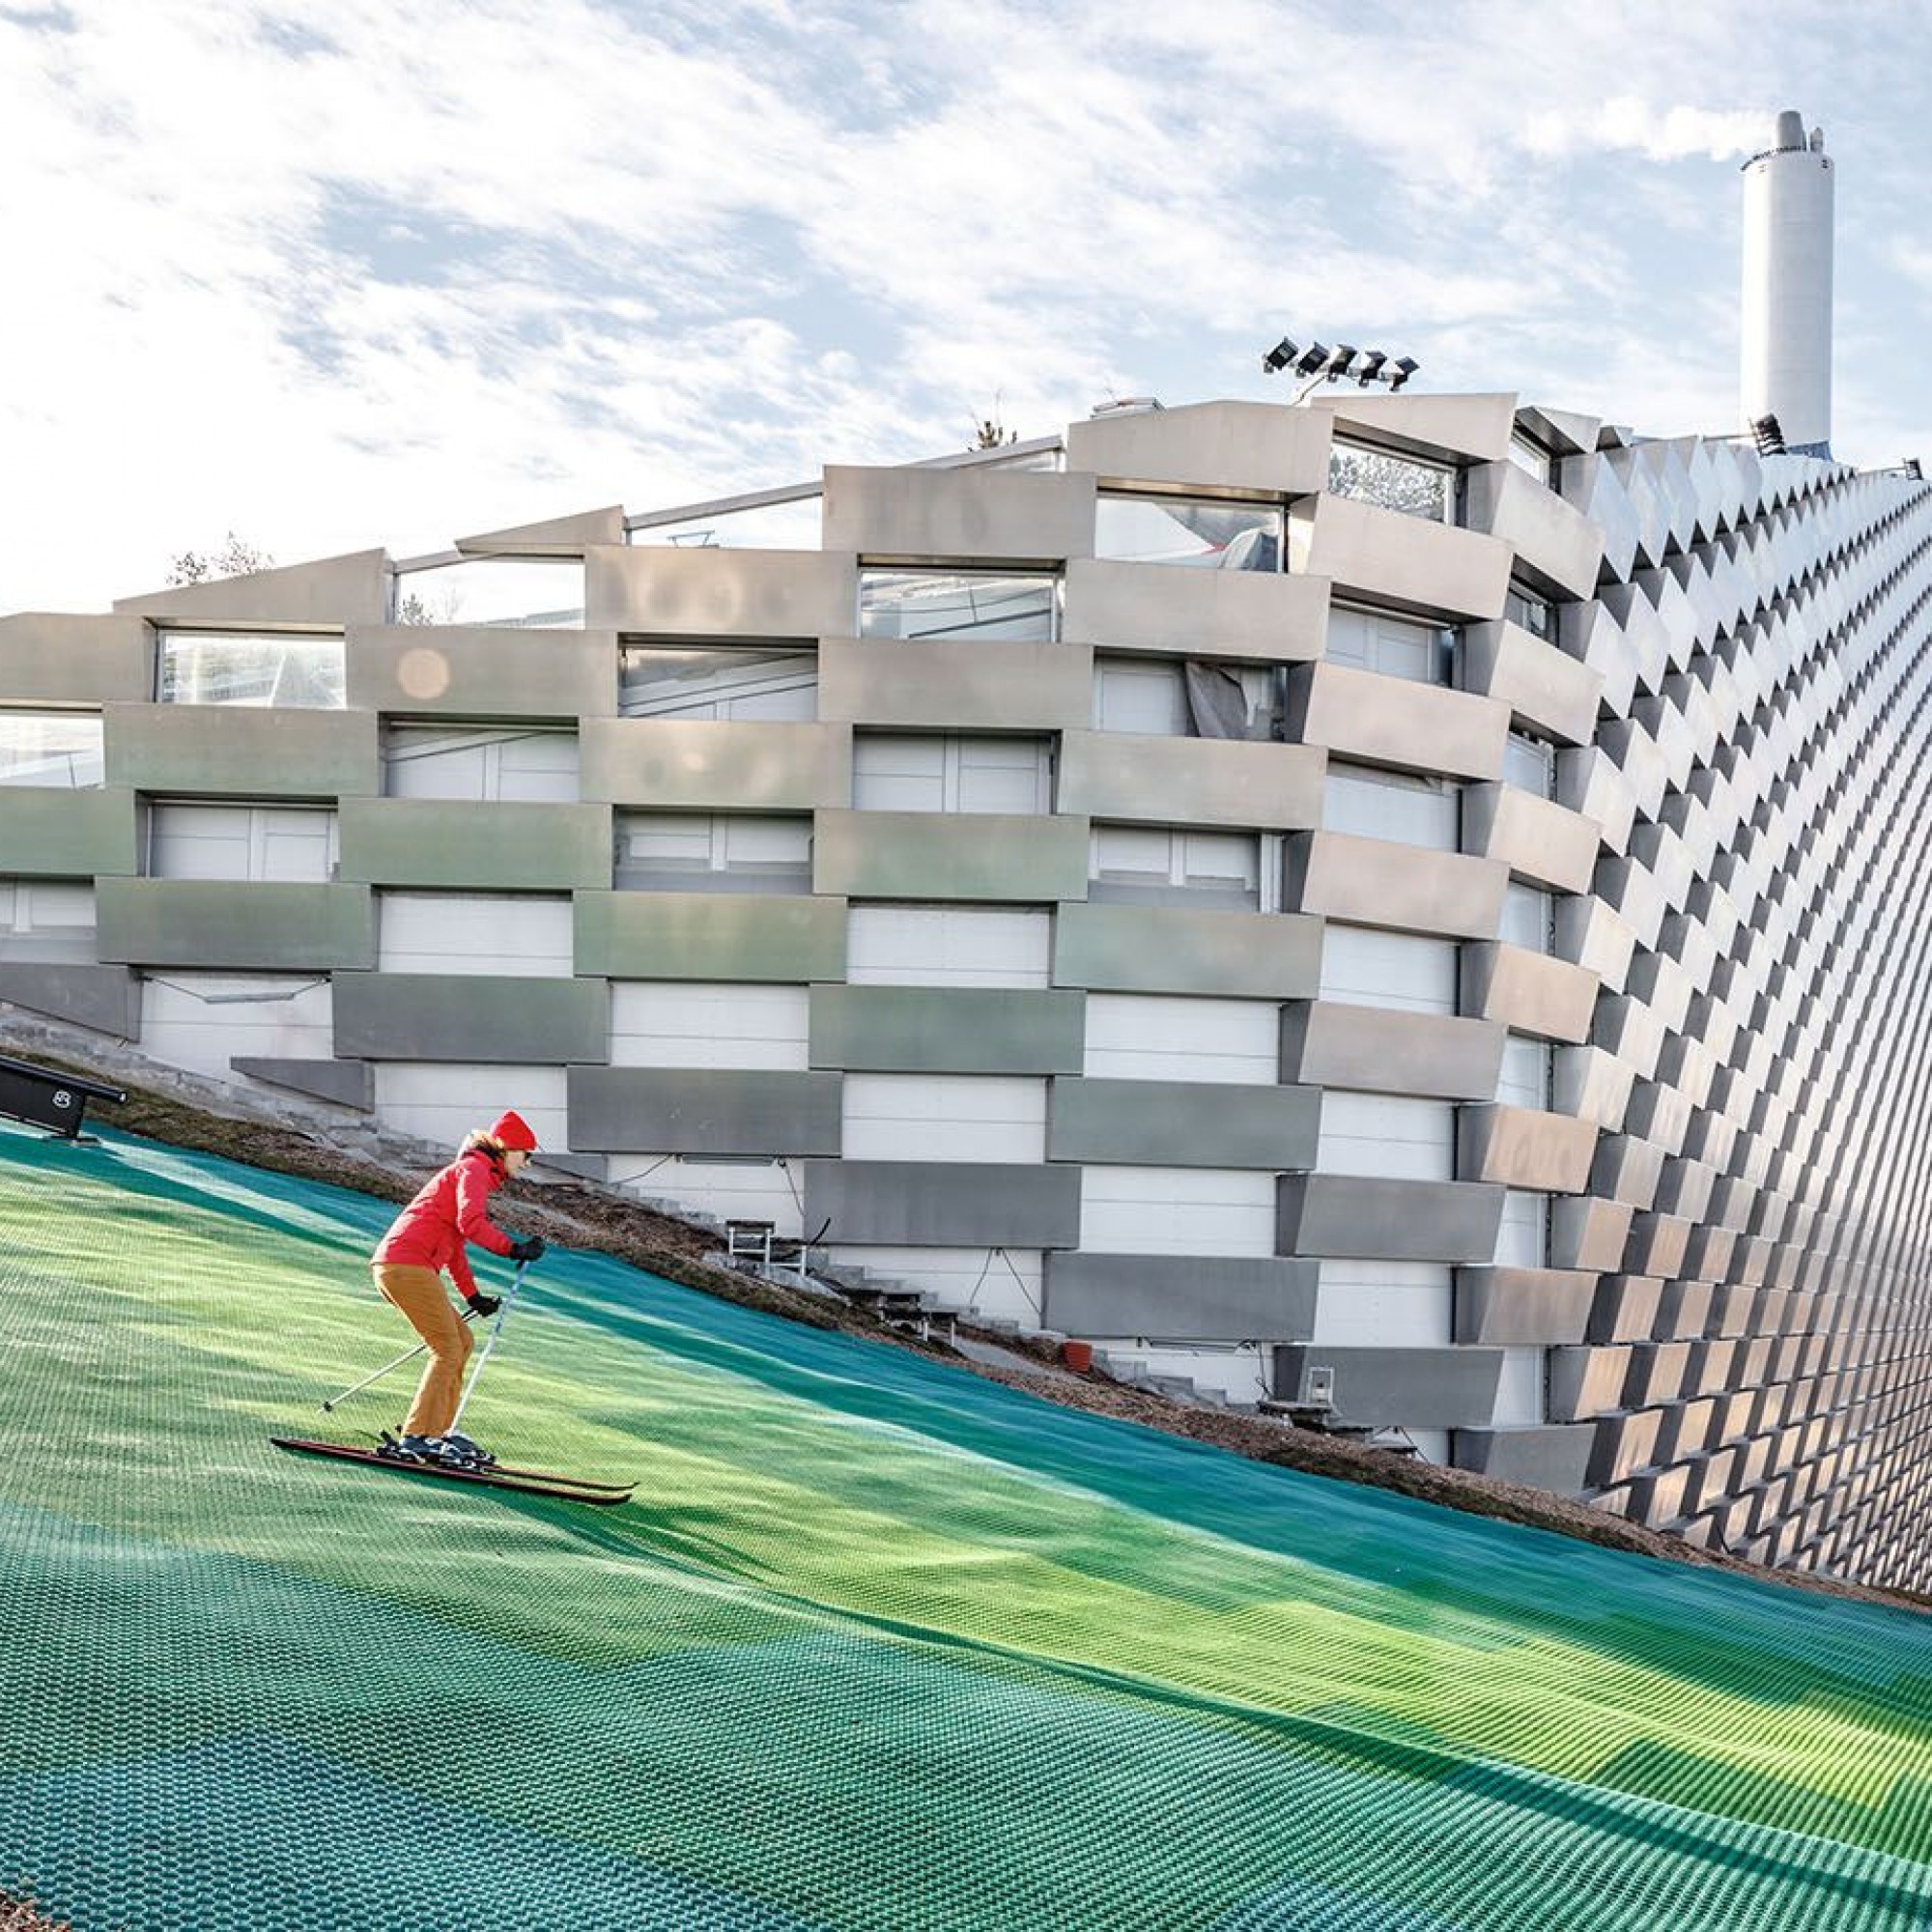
(1280, 356)
(1404, 366)
(1311, 358)
(1370, 366)
(1338, 361)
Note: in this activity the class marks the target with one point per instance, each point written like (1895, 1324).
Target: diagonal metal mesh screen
(878, 1645)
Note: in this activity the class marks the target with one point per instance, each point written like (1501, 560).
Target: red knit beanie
(512, 1130)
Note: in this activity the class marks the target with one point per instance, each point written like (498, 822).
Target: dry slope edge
(581, 1215)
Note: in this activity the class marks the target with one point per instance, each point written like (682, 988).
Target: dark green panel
(710, 936)
(706, 764)
(463, 1016)
(944, 1205)
(1183, 1297)
(948, 1030)
(703, 1110)
(982, 684)
(208, 924)
(49, 833)
(1182, 1124)
(979, 856)
(1120, 948)
(483, 847)
(88, 661)
(242, 751)
(1213, 781)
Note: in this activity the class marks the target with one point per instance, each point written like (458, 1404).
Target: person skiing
(430, 1234)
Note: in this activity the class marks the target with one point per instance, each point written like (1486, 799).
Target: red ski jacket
(449, 1209)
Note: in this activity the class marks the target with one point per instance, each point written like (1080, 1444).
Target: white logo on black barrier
(62, 1097)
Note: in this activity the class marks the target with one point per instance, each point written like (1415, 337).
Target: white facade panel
(202, 1020)
(906, 772)
(289, 843)
(947, 945)
(1405, 971)
(1388, 805)
(1383, 1305)
(1387, 1136)
(1523, 1240)
(524, 934)
(1176, 1210)
(46, 919)
(981, 1283)
(445, 1102)
(688, 1023)
(1148, 1036)
(720, 1190)
(1520, 1392)
(942, 1117)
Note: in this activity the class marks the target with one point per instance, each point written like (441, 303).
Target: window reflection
(240, 668)
(958, 604)
(59, 748)
(1198, 532)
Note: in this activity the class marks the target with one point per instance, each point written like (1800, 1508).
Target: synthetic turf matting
(879, 1644)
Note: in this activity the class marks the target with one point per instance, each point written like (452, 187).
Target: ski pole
(483, 1360)
(409, 1355)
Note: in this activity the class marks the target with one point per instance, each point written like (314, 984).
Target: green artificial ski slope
(879, 1644)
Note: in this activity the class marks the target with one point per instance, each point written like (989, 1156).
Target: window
(1398, 483)
(712, 852)
(893, 771)
(1152, 864)
(1536, 615)
(1530, 457)
(1530, 765)
(58, 749)
(46, 919)
(1373, 803)
(245, 668)
(1198, 532)
(1395, 646)
(258, 843)
(1529, 916)
(523, 593)
(958, 604)
(1163, 698)
(1524, 1080)
(770, 681)
(479, 761)
(1523, 1239)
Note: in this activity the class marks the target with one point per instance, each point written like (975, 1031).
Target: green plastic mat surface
(879, 1644)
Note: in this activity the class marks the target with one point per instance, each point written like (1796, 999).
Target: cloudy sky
(338, 274)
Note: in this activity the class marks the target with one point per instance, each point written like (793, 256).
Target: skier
(428, 1236)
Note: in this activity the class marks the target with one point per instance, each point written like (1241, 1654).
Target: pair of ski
(496, 1476)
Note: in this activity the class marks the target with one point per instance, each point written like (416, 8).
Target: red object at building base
(1077, 1356)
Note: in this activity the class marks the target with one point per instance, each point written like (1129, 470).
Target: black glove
(526, 1248)
(484, 1305)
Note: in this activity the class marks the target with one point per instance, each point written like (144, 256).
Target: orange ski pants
(420, 1293)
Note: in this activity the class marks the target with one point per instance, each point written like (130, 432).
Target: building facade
(1409, 902)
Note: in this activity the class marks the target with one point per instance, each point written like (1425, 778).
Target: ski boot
(410, 1448)
(460, 1452)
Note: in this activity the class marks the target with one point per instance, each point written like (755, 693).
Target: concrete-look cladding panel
(1406, 563)
(933, 1203)
(229, 924)
(703, 1110)
(1540, 841)
(1131, 780)
(710, 936)
(1182, 1298)
(1524, 1147)
(478, 845)
(46, 658)
(1399, 888)
(1120, 948)
(1516, 1307)
(419, 1016)
(1182, 1124)
(104, 999)
(1386, 1050)
(328, 593)
(1552, 1457)
(1548, 690)
(1230, 448)
(1367, 718)
(1530, 993)
(1422, 1388)
(995, 857)
(476, 670)
(1364, 1217)
(963, 685)
(1474, 429)
(1249, 616)
(49, 833)
(962, 516)
(697, 764)
(1558, 548)
(242, 751)
(948, 1030)
(659, 590)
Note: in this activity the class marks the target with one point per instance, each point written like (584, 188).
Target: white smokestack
(1787, 286)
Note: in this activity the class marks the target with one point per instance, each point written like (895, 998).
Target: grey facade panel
(703, 1110)
(1122, 949)
(241, 751)
(1518, 1307)
(1236, 448)
(478, 671)
(948, 1029)
(1558, 548)
(1190, 782)
(989, 684)
(1397, 723)
(327, 594)
(554, 536)
(104, 999)
(1244, 615)
(710, 936)
(934, 1204)
(1548, 690)
(1348, 1216)
(482, 845)
(1436, 427)
(348, 1083)
(1182, 1124)
(1404, 563)
(961, 515)
(933, 856)
(1554, 1455)
(1528, 992)
(50, 833)
(1182, 1298)
(443, 1015)
(1420, 1388)
(1542, 842)
(50, 659)
(726, 764)
(1524, 1147)
(1386, 1050)
(235, 924)
(1399, 888)
(659, 590)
